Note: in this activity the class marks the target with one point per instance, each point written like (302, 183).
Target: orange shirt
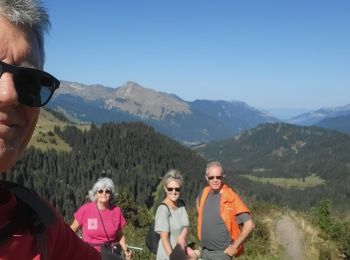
(230, 206)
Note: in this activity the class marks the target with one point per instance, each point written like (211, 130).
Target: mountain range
(187, 122)
(314, 117)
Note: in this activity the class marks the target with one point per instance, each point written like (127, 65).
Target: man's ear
(206, 178)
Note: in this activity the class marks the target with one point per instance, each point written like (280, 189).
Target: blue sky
(269, 54)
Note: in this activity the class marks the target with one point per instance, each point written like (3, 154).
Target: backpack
(32, 212)
(152, 237)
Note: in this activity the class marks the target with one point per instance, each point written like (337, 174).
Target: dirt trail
(291, 237)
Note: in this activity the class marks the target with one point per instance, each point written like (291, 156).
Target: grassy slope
(298, 183)
(44, 137)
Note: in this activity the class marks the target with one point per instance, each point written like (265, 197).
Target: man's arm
(247, 228)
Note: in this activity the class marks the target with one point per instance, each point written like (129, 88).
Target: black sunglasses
(215, 177)
(105, 191)
(171, 189)
(34, 87)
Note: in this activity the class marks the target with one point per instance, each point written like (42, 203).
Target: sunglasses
(215, 177)
(34, 87)
(105, 191)
(172, 189)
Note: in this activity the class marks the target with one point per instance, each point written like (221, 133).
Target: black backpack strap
(40, 237)
(46, 216)
(181, 203)
(17, 223)
(33, 213)
(165, 206)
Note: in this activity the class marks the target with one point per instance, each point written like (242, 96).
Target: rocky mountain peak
(146, 103)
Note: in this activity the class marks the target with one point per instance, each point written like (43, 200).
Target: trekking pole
(134, 248)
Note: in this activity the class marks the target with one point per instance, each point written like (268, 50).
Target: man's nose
(8, 92)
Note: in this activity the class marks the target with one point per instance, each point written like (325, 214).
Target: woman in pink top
(100, 220)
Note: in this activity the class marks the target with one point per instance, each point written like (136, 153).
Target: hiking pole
(134, 247)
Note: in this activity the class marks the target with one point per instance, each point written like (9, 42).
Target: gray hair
(31, 15)
(214, 163)
(102, 183)
(172, 175)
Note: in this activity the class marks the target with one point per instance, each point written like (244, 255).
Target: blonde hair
(172, 175)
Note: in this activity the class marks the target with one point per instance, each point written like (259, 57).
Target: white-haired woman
(101, 221)
(171, 219)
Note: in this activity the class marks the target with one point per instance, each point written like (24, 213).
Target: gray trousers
(214, 255)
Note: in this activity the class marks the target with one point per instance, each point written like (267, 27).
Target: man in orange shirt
(224, 221)
(24, 88)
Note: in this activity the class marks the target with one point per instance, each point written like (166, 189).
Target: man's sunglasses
(215, 177)
(105, 191)
(172, 189)
(34, 87)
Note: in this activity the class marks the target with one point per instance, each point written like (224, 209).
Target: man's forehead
(19, 46)
(215, 168)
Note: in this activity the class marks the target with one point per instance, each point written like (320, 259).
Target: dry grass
(314, 244)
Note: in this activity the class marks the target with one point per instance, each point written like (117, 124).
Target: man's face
(215, 178)
(17, 121)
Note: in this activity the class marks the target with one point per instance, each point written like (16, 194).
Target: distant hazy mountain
(197, 121)
(316, 116)
(339, 123)
(285, 114)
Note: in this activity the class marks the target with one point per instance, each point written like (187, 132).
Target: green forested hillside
(339, 123)
(287, 151)
(133, 155)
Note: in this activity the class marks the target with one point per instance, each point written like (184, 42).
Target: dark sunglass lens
(34, 87)
(28, 87)
(171, 189)
(105, 191)
(215, 177)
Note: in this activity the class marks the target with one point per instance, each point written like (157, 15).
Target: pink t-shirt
(93, 232)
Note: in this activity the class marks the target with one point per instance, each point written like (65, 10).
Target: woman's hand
(128, 254)
(75, 225)
(181, 252)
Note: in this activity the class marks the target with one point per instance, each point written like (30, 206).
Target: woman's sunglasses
(172, 189)
(105, 191)
(34, 87)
